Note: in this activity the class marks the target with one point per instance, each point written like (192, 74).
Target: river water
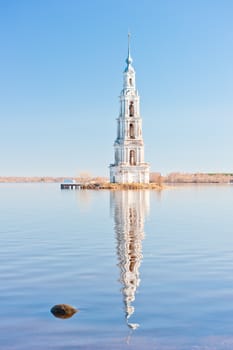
(146, 269)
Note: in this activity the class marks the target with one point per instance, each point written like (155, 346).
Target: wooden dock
(71, 186)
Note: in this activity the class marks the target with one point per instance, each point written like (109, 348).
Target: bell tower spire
(129, 166)
(128, 60)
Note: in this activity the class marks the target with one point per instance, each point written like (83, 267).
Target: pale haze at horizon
(61, 68)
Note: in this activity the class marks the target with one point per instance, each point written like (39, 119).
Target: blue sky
(61, 65)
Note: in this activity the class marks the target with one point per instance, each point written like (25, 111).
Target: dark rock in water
(63, 311)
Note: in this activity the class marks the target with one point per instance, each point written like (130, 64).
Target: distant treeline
(194, 178)
(22, 179)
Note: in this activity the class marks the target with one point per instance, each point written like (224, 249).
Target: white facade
(129, 165)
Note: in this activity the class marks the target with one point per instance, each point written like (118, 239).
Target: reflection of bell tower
(129, 209)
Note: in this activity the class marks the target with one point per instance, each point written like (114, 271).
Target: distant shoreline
(31, 179)
(156, 179)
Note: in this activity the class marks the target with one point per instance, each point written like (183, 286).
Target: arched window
(131, 109)
(132, 160)
(131, 131)
(116, 156)
(130, 82)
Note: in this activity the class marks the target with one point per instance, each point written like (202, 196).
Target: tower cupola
(129, 59)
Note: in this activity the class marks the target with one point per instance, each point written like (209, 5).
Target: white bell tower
(129, 165)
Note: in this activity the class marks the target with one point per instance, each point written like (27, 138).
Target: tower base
(124, 174)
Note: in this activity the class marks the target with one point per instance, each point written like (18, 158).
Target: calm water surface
(147, 270)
